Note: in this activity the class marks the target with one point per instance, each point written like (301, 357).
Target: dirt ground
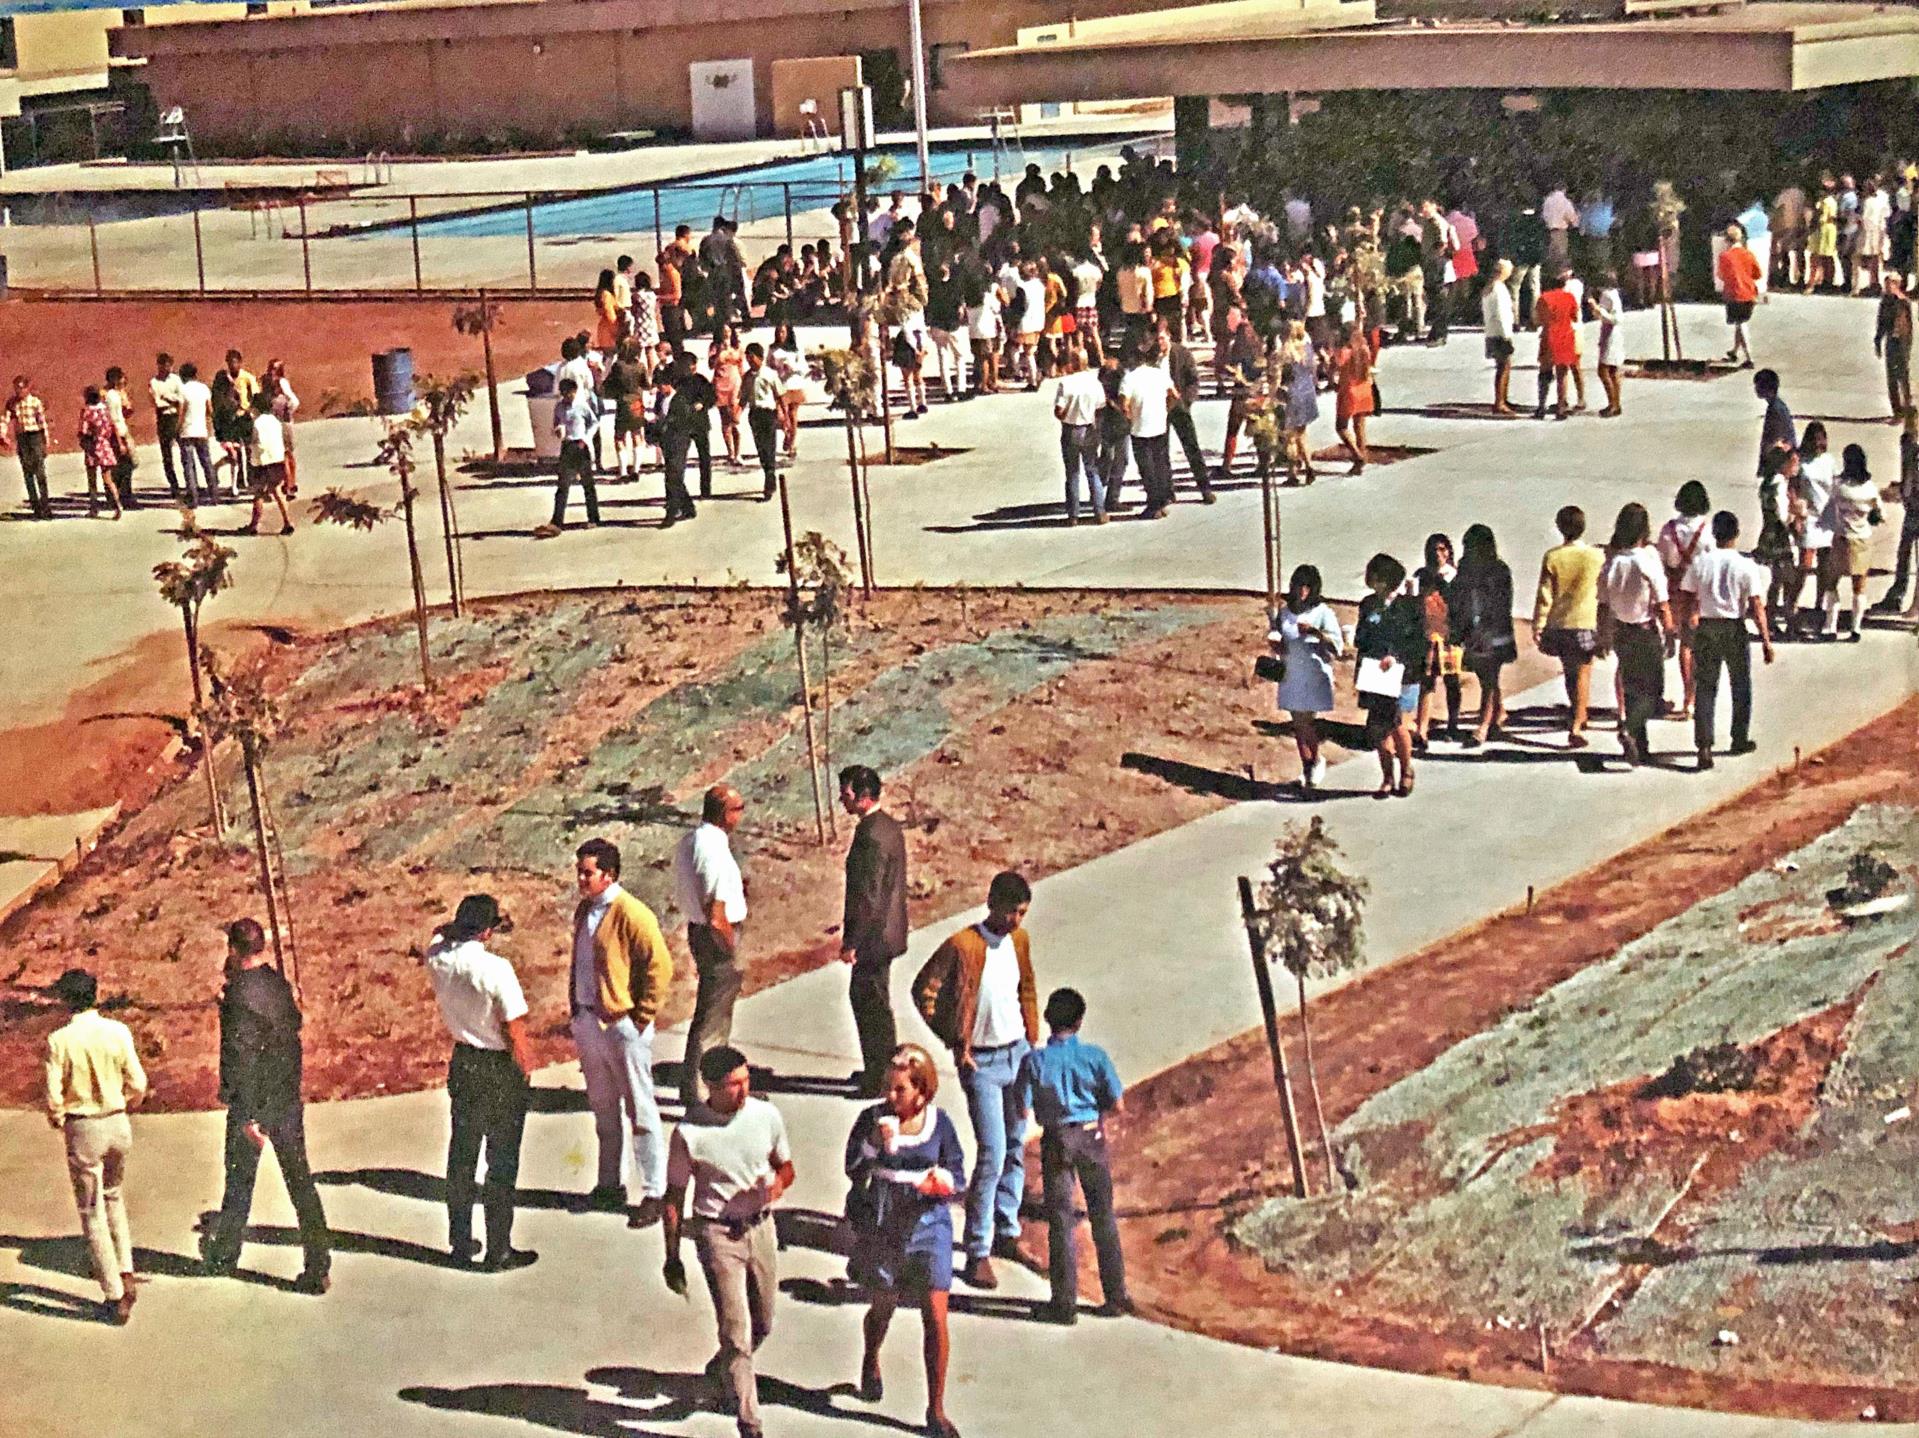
(68, 344)
(1181, 1182)
(609, 712)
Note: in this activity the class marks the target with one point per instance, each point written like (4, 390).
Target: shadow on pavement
(545, 1405)
(427, 1188)
(43, 1302)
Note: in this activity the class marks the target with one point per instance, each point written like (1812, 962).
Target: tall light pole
(918, 38)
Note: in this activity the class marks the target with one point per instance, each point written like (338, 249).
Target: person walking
(1611, 310)
(789, 365)
(1072, 1089)
(711, 893)
(1479, 619)
(905, 1164)
(1680, 538)
(1892, 342)
(1566, 614)
(688, 425)
(763, 398)
(728, 1165)
(1183, 369)
(621, 970)
(1431, 583)
(196, 436)
(873, 921)
(1498, 321)
(1306, 638)
(164, 390)
(576, 419)
(260, 1070)
(1855, 514)
(1635, 622)
(98, 451)
(1389, 643)
(978, 996)
(119, 403)
(1775, 548)
(1729, 589)
(267, 470)
(1908, 498)
(1353, 365)
(25, 433)
(1556, 314)
(728, 361)
(487, 1080)
(1775, 427)
(1149, 395)
(1812, 520)
(1737, 270)
(1078, 398)
(93, 1077)
(1299, 384)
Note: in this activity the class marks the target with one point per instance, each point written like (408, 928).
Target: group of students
(248, 417)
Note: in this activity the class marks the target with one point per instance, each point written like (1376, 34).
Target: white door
(723, 100)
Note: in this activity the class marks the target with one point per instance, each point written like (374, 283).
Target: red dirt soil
(68, 344)
(1180, 1181)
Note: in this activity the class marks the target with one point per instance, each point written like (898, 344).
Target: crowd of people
(718, 1177)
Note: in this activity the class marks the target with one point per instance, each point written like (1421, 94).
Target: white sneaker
(1319, 771)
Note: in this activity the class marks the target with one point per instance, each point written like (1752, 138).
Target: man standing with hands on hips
(873, 926)
(978, 995)
(734, 1155)
(621, 971)
(712, 896)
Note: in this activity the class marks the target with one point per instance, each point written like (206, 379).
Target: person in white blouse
(1729, 589)
(712, 897)
(1611, 311)
(1307, 639)
(1635, 622)
(1496, 313)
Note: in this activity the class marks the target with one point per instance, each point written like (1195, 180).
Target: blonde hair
(917, 1064)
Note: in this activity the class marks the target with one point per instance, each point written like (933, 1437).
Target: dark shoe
(465, 1251)
(1007, 1248)
(1705, 760)
(940, 1427)
(1058, 1314)
(1209, 498)
(978, 1273)
(1742, 746)
(646, 1215)
(1629, 750)
(607, 1198)
(1121, 1307)
(120, 1310)
(872, 1388)
(513, 1258)
(315, 1284)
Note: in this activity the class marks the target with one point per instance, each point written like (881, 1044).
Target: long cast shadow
(839, 1293)
(43, 1302)
(431, 1188)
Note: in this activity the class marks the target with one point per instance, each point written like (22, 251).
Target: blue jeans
(999, 1166)
(1079, 451)
(196, 454)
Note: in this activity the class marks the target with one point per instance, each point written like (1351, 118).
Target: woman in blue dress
(1299, 373)
(906, 1165)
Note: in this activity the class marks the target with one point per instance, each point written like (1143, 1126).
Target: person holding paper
(1390, 640)
(1305, 634)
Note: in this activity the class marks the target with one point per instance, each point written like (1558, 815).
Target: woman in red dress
(1556, 313)
(1353, 375)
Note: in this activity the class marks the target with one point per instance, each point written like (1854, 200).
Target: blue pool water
(757, 193)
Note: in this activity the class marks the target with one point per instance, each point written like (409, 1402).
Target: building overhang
(1776, 47)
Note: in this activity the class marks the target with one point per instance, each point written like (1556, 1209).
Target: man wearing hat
(260, 1062)
(93, 1078)
(487, 1080)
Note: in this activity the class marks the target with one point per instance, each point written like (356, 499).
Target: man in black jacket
(1180, 364)
(873, 930)
(688, 423)
(260, 1085)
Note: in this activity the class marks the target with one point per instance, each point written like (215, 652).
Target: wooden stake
(799, 643)
(1269, 1010)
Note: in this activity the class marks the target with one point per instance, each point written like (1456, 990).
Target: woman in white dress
(1875, 237)
(1611, 311)
(1307, 638)
(1811, 499)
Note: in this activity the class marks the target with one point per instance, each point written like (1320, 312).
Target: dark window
(133, 18)
(256, 7)
(9, 48)
(936, 58)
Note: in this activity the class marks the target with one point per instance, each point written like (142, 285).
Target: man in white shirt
(484, 1011)
(1077, 401)
(196, 434)
(1148, 393)
(734, 1156)
(164, 387)
(267, 465)
(1558, 214)
(1729, 589)
(93, 1076)
(1635, 621)
(712, 897)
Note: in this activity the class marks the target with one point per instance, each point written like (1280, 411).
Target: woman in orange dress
(606, 312)
(1556, 313)
(1353, 374)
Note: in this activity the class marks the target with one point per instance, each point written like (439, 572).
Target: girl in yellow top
(1169, 274)
(606, 311)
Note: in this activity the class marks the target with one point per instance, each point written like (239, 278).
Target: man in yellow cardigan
(977, 994)
(620, 973)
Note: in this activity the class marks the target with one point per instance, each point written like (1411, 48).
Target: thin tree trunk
(860, 517)
(1312, 1088)
(250, 762)
(1269, 1011)
(290, 968)
(449, 526)
(215, 809)
(419, 579)
(799, 643)
(492, 385)
(826, 717)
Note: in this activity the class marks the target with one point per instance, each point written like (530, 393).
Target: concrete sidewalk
(589, 1342)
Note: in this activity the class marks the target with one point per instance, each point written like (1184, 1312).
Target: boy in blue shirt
(1071, 1087)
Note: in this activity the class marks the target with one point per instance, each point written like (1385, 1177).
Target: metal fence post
(413, 221)
(93, 243)
(199, 251)
(532, 266)
(659, 235)
(306, 255)
(786, 195)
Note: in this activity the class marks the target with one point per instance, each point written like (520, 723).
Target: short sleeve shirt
(478, 991)
(1149, 390)
(1726, 582)
(704, 870)
(727, 1162)
(1633, 585)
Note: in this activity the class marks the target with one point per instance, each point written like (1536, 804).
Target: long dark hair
(1632, 529)
(1305, 577)
(1429, 576)
(605, 284)
(1477, 546)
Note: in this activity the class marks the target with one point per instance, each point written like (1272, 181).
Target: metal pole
(532, 267)
(199, 251)
(413, 221)
(786, 196)
(306, 253)
(659, 235)
(917, 39)
(93, 243)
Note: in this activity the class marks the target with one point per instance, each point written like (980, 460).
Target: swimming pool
(760, 192)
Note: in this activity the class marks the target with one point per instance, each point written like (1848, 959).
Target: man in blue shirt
(1071, 1086)
(575, 421)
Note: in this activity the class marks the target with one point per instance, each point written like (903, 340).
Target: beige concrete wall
(820, 80)
(62, 43)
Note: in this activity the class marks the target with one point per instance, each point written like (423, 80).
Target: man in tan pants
(93, 1078)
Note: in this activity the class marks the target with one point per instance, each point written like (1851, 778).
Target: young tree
(1667, 207)
(188, 583)
(242, 709)
(337, 507)
(481, 318)
(1309, 916)
(441, 403)
(850, 380)
(821, 568)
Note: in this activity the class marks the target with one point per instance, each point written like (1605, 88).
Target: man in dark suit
(873, 931)
(260, 1083)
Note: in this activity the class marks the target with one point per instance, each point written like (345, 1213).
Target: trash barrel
(542, 399)
(393, 381)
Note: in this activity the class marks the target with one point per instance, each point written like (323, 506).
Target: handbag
(1270, 668)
